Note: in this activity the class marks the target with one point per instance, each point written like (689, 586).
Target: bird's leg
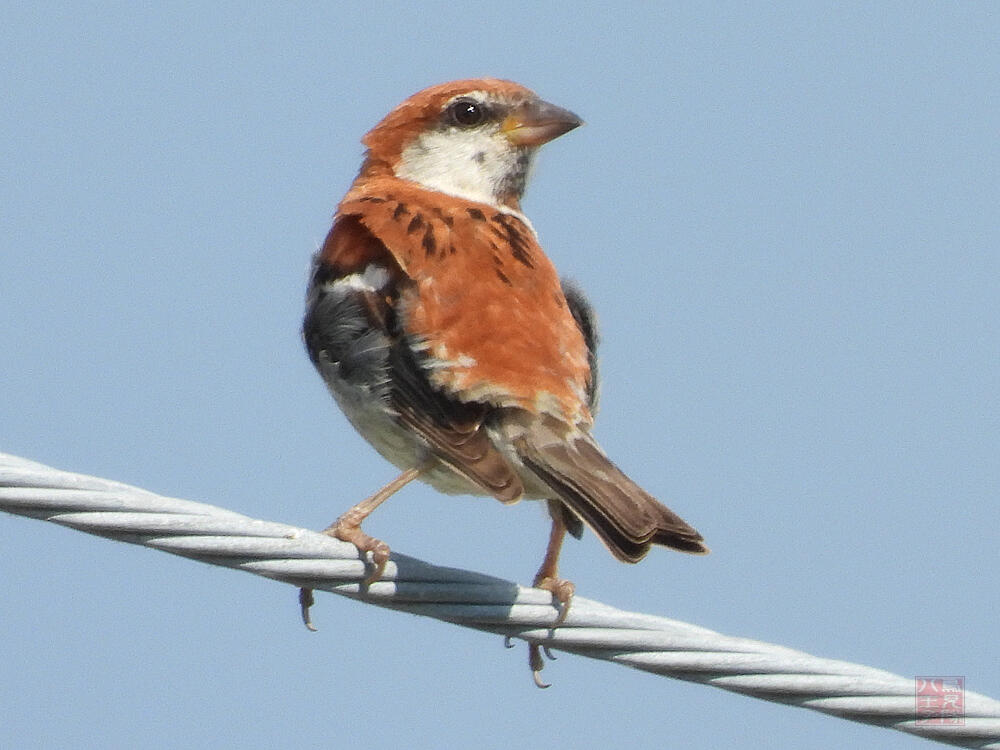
(347, 528)
(547, 576)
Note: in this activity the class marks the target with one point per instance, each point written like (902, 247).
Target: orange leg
(347, 528)
(548, 578)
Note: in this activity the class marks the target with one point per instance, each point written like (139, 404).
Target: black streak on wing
(428, 242)
(415, 224)
(512, 231)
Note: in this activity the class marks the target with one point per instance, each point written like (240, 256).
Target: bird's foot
(561, 589)
(347, 528)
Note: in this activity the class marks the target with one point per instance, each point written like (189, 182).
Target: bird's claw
(348, 529)
(535, 660)
(537, 664)
(380, 558)
(562, 590)
(306, 601)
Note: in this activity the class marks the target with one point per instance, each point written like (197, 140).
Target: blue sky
(786, 217)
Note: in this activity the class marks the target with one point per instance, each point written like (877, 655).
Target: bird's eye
(466, 113)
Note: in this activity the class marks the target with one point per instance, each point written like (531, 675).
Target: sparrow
(449, 341)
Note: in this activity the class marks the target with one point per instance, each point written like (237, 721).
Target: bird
(451, 344)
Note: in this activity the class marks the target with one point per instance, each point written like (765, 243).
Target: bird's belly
(375, 423)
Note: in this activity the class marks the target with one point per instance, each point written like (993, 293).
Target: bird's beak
(536, 122)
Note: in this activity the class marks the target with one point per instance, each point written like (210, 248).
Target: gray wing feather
(586, 321)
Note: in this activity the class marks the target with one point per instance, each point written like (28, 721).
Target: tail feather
(626, 518)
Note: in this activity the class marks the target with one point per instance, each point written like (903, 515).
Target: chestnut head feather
(474, 139)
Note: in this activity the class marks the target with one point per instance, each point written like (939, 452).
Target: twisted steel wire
(312, 560)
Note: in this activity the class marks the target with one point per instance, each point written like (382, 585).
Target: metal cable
(655, 644)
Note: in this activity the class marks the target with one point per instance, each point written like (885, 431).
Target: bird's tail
(626, 518)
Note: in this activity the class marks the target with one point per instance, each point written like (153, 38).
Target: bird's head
(474, 139)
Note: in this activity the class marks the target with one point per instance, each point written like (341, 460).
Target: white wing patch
(372, 279)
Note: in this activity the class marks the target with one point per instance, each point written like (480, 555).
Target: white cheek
(466, 164)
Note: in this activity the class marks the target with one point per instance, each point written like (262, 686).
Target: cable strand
(305, 558)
